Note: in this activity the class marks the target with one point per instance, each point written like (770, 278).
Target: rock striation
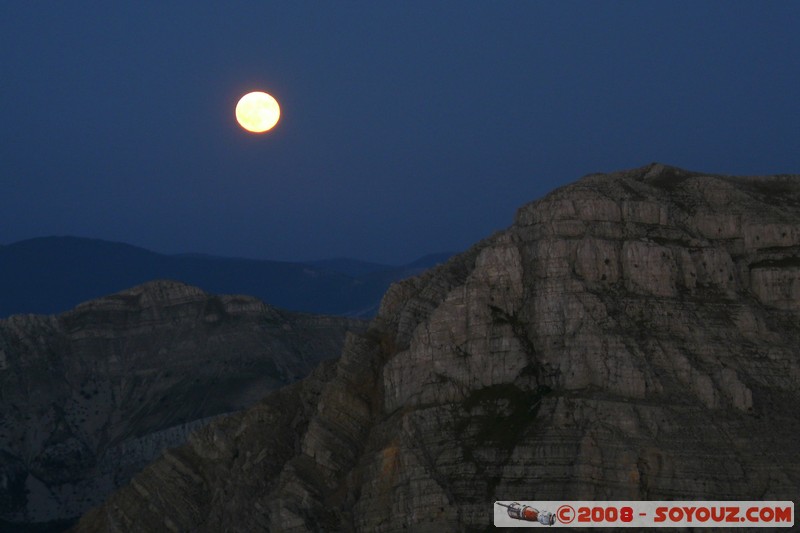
(89, 397)
(633, 335)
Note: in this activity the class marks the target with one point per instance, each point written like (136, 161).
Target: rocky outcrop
(89, 397)
(632, 336)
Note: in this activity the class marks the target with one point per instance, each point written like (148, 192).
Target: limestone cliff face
(89, 397)
(632, 336)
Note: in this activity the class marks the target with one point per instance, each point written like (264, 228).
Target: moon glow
(257, 112)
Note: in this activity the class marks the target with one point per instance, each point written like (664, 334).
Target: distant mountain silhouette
(356, 268)
(349, 267)
(53, 274)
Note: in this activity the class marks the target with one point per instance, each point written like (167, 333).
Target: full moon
(257, 112)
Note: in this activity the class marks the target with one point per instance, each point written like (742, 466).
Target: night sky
(407, 127)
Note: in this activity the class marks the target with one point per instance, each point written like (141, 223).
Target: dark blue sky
(406, 128)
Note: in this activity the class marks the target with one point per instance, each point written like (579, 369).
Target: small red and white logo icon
(527, 513)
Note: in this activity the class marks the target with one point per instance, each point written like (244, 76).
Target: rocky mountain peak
(153, 299)
(90, 396)
(150, 294)
(632, 335)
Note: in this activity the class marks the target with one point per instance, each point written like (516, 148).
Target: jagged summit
(164, 288)
(607, 196)
(152, 295)
(632, 335)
